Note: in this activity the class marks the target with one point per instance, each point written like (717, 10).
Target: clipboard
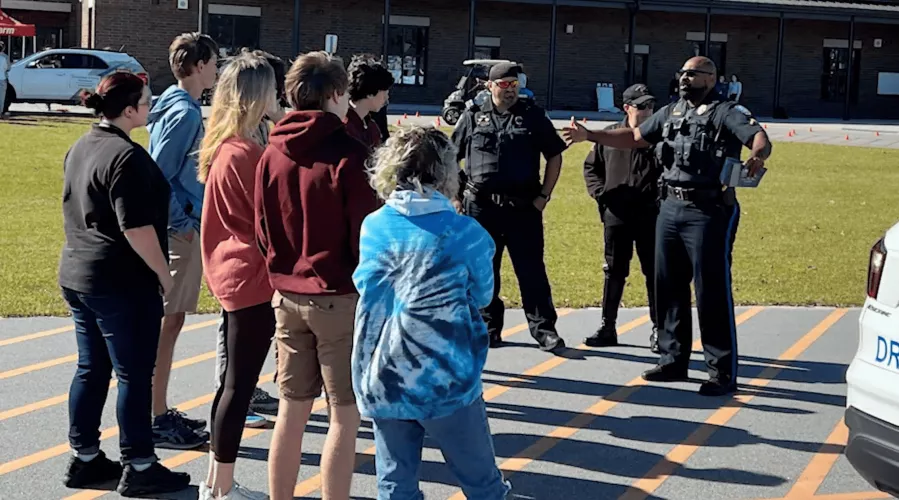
(734, 174)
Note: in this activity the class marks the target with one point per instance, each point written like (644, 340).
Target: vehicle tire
(451, 115)
(10, 98)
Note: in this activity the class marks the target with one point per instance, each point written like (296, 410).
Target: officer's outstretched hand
(754, 164)
(578, 133)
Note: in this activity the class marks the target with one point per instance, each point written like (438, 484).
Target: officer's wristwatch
(544, 196)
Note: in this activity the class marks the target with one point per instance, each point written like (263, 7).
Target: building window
(717, 53)
(641, 64)
(486, 47)
(407, 54)
(234, 32)
(835, 72)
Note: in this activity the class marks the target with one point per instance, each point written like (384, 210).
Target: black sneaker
(171, 431)
(196, 424)
(496, 340)
(263, 402)
(605, 336)
(156, 479)
(81, 474)
(717, 387)
(654, 340)
(552, 343)
(665, 373)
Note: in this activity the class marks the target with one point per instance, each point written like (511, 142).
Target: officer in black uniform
(501, 141)
(698, 219)
(624, 184)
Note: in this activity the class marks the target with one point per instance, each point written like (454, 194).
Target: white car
(872, 399)
(59, 75)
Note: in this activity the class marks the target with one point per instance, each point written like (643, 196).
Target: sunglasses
(644, 105)
(503, 84)
(691, 73)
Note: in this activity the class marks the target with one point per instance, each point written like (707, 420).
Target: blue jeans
(465, 441)
(114, 332)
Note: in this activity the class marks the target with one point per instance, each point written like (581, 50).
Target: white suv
(59, 75)
(872, 398)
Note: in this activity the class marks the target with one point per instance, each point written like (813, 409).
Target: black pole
(849, 81)
(778, 65)
(296, 27)
(630, 45)
(552, 58)
(708, 32)
(471, 20)
(385, 35)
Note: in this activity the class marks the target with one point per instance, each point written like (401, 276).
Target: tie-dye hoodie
(420, 342)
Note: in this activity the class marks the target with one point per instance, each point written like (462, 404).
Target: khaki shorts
(314, 337)
(186, 268)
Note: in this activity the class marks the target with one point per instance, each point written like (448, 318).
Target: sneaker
(254, 420)
(196, 424)
(496, 340)
(157, 479)
(170, 431)
(237, 492)
(717, 387)
(263, 402)
(605, 336)
(81, 474)
(666, 373)
(552, 343)
(654, 340)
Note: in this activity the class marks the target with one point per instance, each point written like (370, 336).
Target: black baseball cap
(504, 70)
(637, 94)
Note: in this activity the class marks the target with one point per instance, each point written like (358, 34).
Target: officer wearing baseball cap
(624, 184)
(502, 140)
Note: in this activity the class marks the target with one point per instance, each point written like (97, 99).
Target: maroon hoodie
(312, 194)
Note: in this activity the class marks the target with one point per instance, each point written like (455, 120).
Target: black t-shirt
(111, 185)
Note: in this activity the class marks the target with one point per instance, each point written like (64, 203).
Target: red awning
(11, 27)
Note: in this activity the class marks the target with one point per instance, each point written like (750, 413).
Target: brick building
(791, 55)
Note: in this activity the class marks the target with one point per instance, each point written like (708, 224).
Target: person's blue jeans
(465, 441)
(114, 332)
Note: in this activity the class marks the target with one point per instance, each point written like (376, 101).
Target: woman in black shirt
(113, 272)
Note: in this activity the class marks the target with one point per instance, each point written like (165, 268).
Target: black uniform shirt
(621, 177)
(502, 150)
(685, 140)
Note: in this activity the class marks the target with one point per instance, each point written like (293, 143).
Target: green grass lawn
(803, 239)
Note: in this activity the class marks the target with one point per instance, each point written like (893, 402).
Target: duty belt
(500, 199)
(693, 194)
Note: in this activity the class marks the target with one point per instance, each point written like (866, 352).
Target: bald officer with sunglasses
(501, 141)
(698, 219)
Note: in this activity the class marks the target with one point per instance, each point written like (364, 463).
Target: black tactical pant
(621, 235)
(520, 228)
(694, 241)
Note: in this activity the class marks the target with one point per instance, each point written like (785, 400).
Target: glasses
(503, 84)
(691, 73)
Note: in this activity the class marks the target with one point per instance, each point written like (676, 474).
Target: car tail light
(875, 267)
(144, 77)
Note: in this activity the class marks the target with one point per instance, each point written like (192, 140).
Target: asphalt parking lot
(582, 425)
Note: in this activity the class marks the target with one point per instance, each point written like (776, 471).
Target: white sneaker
(238, 492)
(205, 491)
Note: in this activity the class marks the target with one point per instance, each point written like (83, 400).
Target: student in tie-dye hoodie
(420, 344)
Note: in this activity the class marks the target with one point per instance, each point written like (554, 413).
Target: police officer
(698, 218)
(501, 140)
(624, 184)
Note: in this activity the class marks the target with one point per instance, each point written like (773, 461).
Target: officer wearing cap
(697, 221)
(502, 140)
(624, 184)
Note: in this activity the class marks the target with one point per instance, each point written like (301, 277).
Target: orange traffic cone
(399, 123)
(405, 116)
(809, 129)
(877, 134)
(847, 137)
(437, 121)
(572, 122)
(418, 114)
(584, 121)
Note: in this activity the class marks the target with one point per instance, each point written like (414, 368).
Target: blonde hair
(243, 94)
(415, 158)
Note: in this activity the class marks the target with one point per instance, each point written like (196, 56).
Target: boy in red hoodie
(312, 194)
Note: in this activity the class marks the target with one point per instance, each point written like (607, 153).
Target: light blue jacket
(420, 343)
(175, 123)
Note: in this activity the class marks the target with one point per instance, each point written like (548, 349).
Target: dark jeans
(620, 236)
(114, 332)
(694, 242)
(248, 338)
(520, 228)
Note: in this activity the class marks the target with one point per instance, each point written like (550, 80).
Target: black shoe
(156, 479)
(81, 474)
(552, 343)
(654, 340)
(665, 373)
(717, 387)
(605, 336)
(496, 340)
(196, 424)
(171, 431)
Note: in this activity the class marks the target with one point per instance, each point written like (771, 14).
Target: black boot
(552, 343)
(666, 373)
(654, 340)
(605, 336)
(496, 340)
(718, 386)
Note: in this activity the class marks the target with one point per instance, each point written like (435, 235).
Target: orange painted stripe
(821, 464)
(582, 420)
(74, 357)
(62, 398)
(680, 453)
(315, 482)
(33, 336)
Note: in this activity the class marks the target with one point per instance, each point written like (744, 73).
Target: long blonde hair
(245, 89)
(415, 158)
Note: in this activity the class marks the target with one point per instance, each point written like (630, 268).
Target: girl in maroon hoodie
(233, 265)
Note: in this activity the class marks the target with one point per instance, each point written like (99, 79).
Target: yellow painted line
(33, 336)
(680, 453)
(582, 420)
(62, 398)
(820, 465)
(74, 357)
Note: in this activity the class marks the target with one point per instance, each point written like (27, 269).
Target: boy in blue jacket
(175, 123)
(420, 343)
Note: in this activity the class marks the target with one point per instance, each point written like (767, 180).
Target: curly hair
(415, 158)
(368, 76)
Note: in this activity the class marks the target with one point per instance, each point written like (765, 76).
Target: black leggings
(248, 334)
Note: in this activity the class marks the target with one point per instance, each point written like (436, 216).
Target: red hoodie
(364, 129)
(312, 194)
